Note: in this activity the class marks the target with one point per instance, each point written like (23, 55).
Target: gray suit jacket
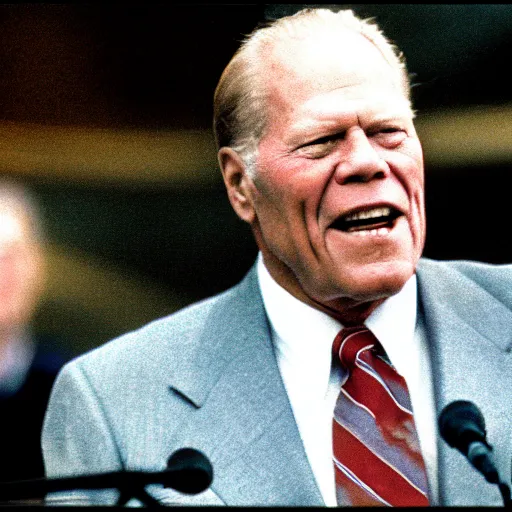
(207, 378)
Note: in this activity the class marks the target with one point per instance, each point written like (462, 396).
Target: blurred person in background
(27, 366)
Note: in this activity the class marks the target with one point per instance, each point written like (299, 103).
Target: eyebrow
(333, 123)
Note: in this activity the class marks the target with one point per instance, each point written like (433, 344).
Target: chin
(379, 281)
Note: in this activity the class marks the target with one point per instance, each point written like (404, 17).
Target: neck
(350, 316)
(347, 311)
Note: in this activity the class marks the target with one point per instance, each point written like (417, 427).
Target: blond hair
(240, 113)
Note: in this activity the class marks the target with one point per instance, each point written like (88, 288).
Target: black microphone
(191, 471)
(188, 471)
(462, 426)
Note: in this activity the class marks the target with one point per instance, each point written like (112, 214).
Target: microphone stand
(505, 494)
(131, 484)
(188, 471)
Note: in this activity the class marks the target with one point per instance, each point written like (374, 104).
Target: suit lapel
(470, 361)
(244, 422)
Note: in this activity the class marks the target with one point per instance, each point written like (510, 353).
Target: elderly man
(300, 383)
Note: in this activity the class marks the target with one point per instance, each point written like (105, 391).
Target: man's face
(338, 196)
(20, 270)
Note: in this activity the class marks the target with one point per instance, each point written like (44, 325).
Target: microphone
(462, 426)
(188, 471)
(191, 471)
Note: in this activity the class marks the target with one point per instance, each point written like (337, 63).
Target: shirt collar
(295, 322)
(393, 323)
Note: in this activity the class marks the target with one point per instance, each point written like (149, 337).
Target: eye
(320, 147)
(389, 136)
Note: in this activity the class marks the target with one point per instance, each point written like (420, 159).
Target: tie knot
(350, 342)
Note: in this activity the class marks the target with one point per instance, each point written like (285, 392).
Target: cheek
(286, 201)
(267, 196)
(276, 187)
(414, 155)
(407, 166)
(295, 181)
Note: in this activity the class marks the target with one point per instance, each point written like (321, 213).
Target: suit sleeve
(77, 438)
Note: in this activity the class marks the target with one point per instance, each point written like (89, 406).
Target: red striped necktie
(376, 452)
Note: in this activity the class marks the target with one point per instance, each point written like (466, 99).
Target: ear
(239, 184)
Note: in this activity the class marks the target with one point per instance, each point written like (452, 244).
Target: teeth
(371, 232)
(370, 214)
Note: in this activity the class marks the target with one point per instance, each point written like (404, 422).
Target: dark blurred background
(105, 111)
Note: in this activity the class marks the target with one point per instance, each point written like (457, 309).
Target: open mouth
(380, 219)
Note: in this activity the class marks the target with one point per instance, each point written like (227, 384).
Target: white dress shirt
(303, 337)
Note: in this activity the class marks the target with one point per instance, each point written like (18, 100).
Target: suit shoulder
(494, 278)
(145, 346)
(477, 271)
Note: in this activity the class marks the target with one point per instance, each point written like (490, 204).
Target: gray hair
(240, 114)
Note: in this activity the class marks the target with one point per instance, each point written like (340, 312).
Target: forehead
(13, 225)
(364, 102)
(311, 72)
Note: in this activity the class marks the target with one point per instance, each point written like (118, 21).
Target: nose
(359, 162)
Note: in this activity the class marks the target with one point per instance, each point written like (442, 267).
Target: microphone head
(461, 423)
(190, 471)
